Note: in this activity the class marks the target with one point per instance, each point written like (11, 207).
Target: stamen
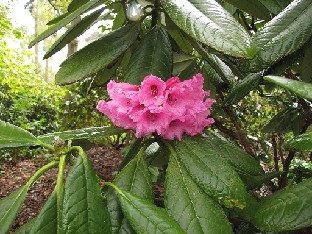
(152, 116)
(154, 90)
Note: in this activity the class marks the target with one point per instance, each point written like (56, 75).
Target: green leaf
(209, 23)
(85, 133)
(97, 55)
(285, 121)
(284, 34)
(12, 136)
(210, 73)
(156, 155)
(243, 88)
(211, 171)
(58, 18)
(180, 62)
(253, 7)
(221, 68)
(134, 150)
(302, 142)
(152, 56)
(237, 157)
(275, 6)
(135, 178)
(53, 28)
(75, 4)
(302, 89)
(119, 19)
(26, 228)
(306, 68)
(46, 222)
(178, 36)
(10, 206)
(194, 211)
(189, 71)
(289, 209)
(73, 32)
(144, 216)
(252, 181)
(84, 208)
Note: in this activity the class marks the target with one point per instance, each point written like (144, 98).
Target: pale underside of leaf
(302, 89)
(13, 136)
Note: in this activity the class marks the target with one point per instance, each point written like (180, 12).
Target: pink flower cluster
(168, 108)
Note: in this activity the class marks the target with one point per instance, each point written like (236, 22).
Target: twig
(275, 156)
(155, 14)
(240, 133)
(283, 179)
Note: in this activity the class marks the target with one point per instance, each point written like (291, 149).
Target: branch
(155, 14)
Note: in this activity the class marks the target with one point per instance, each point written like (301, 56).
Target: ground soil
(14, 174)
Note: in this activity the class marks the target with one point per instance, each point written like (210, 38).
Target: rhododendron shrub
(168, 109)
(208, 183)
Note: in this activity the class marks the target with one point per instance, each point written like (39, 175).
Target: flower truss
(168, 108)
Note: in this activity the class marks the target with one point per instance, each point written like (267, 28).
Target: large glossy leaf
(46, 222)
(12, 136)
(193, 210)
(289, 209)
(70, 17)
(275, 6)
(135, 178)
(306, 68)
(253, 7)
(302, 142)
(73, 32)
(243, 88)
(209, 23)
(237, 157)
(84, 208)
(302, 89)
(285, 33)
(211, 171)
(84, 133)
(152, 56)
(144, 216)
(96, 55)
(10, 206)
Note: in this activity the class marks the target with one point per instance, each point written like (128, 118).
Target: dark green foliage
(255, 58)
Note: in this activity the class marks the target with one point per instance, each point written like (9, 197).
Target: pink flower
(168, 109)
(152, 91)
